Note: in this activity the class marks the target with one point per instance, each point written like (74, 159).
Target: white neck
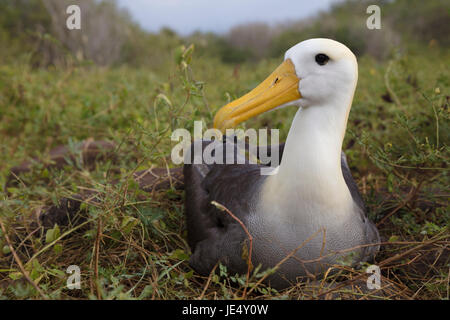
(310, 175)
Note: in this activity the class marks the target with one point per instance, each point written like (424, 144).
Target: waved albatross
(311, 204)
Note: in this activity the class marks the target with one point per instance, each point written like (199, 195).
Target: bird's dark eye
(322, 59)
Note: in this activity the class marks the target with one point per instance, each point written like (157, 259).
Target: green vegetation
(133, 244)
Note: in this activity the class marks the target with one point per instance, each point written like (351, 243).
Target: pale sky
(187, 16)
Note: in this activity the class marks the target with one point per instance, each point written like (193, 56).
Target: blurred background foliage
(32, 28)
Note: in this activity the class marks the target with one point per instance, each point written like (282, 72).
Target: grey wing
(199, 223)
(212, 234)
(371, 232)
(351, 184)
(207, 182)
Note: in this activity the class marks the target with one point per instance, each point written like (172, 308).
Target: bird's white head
(327, 71)
(315, 72)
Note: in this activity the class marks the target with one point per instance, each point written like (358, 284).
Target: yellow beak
(279, 88)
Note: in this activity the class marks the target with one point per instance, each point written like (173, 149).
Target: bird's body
(307, 215)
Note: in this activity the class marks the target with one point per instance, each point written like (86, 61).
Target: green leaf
(390, 182)
(15, 275)
(57, 248)
(179, 254)
(179, 54)
(44, 173)
(187, 54)
(393, 238)
(128, 223)
(52, 234)
(163, 97)
(6, 249)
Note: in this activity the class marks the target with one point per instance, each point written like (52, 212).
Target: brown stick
(97, 253)
(208, 282)
(412, 193)
(383, 263)
(250, 238)
(19, 262)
